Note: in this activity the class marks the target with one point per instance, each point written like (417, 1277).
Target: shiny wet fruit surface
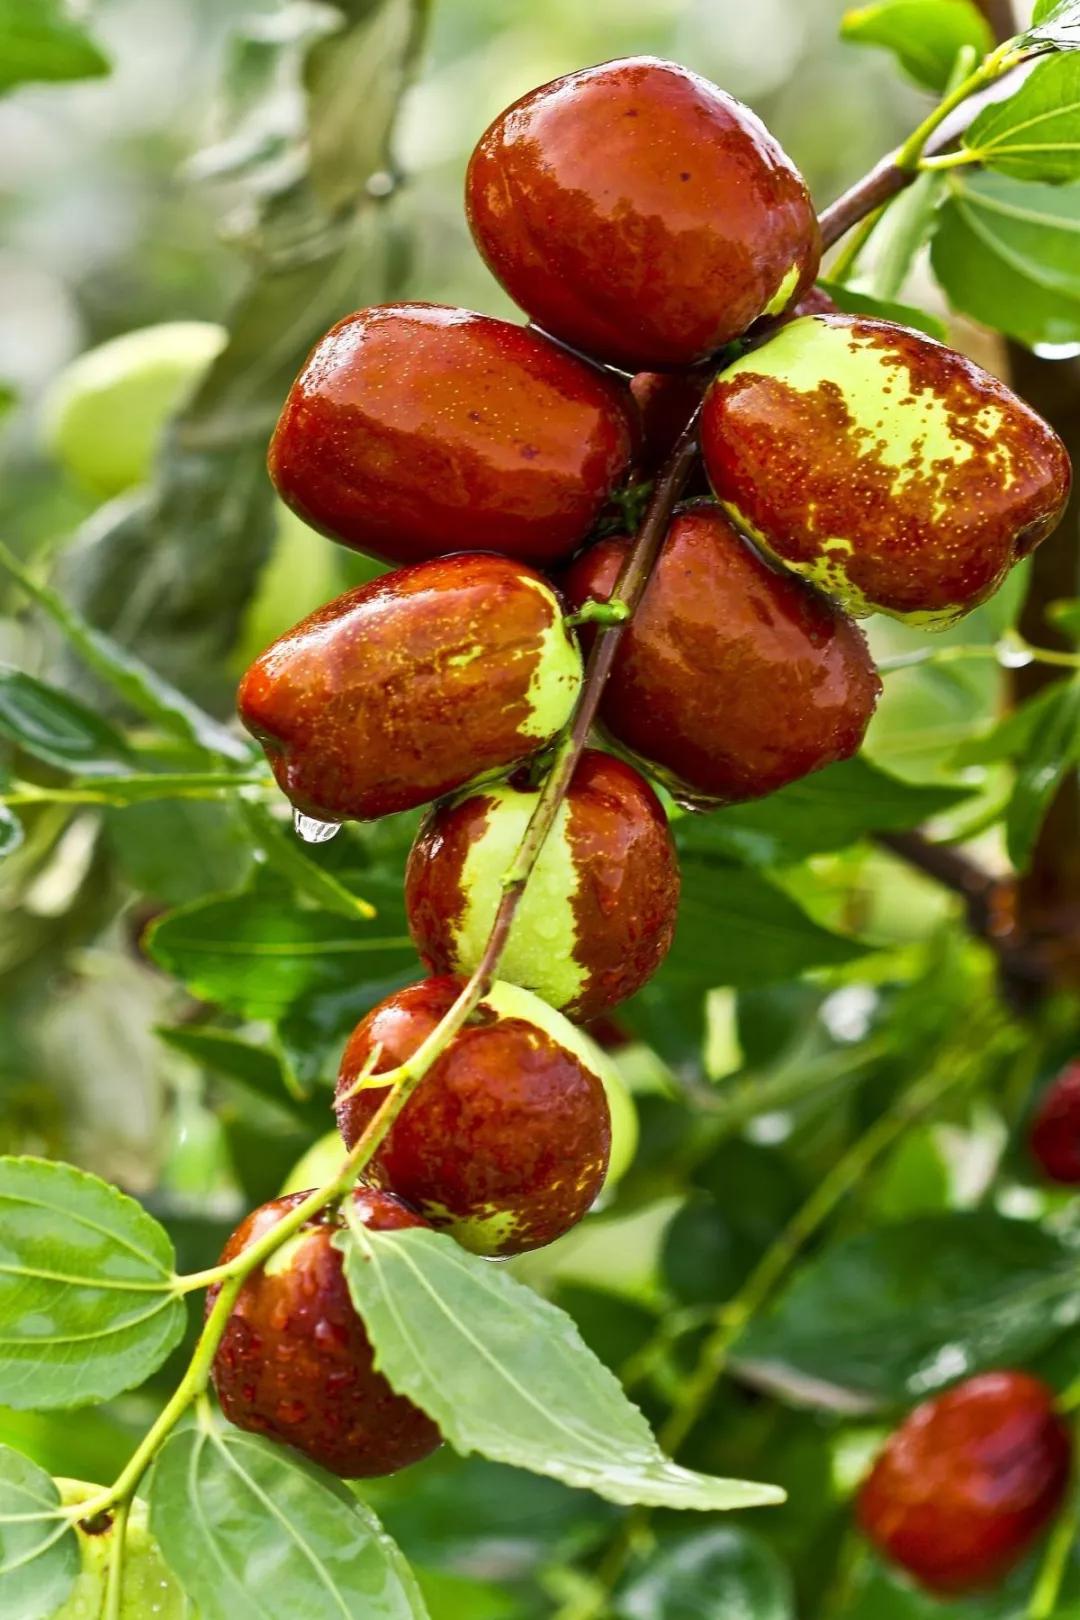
(640, 214)
(406, 688)
(417, 429)
(505, 1143)
(967, 1482)
(295, 1363)
(889, 470)
(733, 679)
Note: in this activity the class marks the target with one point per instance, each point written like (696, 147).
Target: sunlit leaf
(39, 1556)
(925, 35)
(41, 41)
(893, 1314)
(255, 1532)
(505, 1373)
(1053, 750)
(87, 1304)
(1034, 134)
(1007, 252)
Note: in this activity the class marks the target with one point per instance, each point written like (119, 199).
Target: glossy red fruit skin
(968, 1481)
(801, 469)
(1055, 1131)
(374, 704)
(627, 900)
(295, 1363)
(416, 429)
(732, 679)
(506, 1122)
(639, 213)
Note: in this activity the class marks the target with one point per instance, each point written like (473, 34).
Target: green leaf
(39, 1556)
(287, 855)
(826, 811)
(55, 728)
(132, 789)
(256, 1069)
(255, 1532)
(885, 309)
(1035, 133)
(1065, 615)
(728, 1572)
(1056, 23)
(893, 1314)
(39, 41)
(736, 928)
(505, 1373)
(258, 952)
(87, 1305)
(133, 680)
(925, 35)
(1007, 252)
(177, 850)
(1053, 750)
(11, 831)
(1011, 737)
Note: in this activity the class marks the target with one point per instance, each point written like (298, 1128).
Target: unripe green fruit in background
(323, 1159)
(598, 914)
(104, 414)
(882, 466)
(148, 1588)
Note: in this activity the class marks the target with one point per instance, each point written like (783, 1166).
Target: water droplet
(1010, 656)
(311, 831)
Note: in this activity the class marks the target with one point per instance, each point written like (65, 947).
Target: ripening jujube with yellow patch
(644, 220)
(406, 688)
(598, 915)
(884, 467)
(505, 1144)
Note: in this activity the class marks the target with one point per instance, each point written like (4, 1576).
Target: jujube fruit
(1055, 1130)
(886, 468)
(106, 411)
(732, 679)
(505, 1142)
(640, 214)
(408, 687)
(295, 1363)
(968, 1481)
(415, 429)
(598, 914)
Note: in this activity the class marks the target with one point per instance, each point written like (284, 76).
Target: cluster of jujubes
(644, 221)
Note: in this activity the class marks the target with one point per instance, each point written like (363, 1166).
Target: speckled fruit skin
(967, 1482)
(732, 679)
(598, 915)
(883, 466)
(640, 214)
(505, 1143)
(294, 1361)
(415, 429)
(408, 687)
(1055, 1130)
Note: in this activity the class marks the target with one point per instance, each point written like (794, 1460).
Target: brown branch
(629, 589)
(986, 897)
(880, 186)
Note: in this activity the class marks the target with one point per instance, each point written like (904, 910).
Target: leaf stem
(897, 171)
(128, 790)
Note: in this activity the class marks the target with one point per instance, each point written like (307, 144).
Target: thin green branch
(1043, 1602)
